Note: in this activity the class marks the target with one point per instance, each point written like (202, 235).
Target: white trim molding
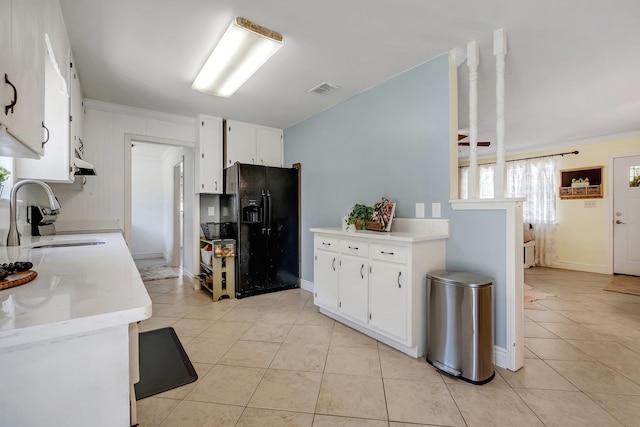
(514, 352)
(109, 107)
(307, 285)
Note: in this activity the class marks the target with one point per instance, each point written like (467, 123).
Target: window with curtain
(535, 179)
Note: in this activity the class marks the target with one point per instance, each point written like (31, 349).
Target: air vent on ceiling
(324, 88)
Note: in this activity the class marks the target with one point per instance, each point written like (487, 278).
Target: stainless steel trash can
(460, 325)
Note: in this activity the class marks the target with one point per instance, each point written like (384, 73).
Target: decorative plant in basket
(383, 212)
(358, 216)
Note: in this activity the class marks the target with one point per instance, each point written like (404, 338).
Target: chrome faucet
(13, 238)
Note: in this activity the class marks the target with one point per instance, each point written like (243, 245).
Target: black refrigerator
(263, 202)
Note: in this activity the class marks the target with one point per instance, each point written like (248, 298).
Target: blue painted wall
(392, 141)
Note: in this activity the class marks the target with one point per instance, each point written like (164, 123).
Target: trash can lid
(460, 278)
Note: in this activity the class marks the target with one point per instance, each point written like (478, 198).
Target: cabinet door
(210, 155)
(388, 286)
(77, 111)
(326, 277)
(27, 72)
(269, 147)
(241, 143)
(354, 284)
(6, 93)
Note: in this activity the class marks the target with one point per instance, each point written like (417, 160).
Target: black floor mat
(163, 363)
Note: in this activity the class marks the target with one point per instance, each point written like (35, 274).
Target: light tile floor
(273, 360)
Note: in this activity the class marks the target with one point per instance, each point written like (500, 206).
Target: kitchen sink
(64, 244)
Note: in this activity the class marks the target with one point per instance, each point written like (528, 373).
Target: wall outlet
(419, 210)
(435, 210)
(590, 203)
(211, 211)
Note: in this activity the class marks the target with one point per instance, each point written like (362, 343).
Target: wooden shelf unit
(219, 277)
(593, 191)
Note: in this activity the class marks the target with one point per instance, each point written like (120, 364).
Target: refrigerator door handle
(264, 212)
(270, 211)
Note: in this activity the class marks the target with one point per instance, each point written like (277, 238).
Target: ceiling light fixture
(241, 51)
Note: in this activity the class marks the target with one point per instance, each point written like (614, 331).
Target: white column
(500, 51)
(473, 59)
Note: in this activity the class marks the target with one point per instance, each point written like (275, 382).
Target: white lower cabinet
(354, 287)
(388, 298)
(379, 287)
(326, 273)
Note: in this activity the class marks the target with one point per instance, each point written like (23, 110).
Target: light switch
(211, 211)
(590, 204)
(419, 210)
(435, 210)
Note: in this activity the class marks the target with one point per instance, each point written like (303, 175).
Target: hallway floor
(273, 360)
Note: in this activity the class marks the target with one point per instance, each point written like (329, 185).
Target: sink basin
(64, 244)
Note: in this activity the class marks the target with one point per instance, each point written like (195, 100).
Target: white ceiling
(572, 68)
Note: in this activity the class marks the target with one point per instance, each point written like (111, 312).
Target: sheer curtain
(535, 179)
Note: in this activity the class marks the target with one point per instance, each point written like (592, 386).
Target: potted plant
(358, 216)
(4, 175)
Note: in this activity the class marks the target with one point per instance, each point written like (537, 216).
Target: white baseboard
(306, 285)
(601, 269)
(148, 255)
(500, 357)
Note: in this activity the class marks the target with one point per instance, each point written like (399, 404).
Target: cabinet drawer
(353, 247)
(389, 253)
(326, 243)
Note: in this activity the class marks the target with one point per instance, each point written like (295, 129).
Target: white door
(626, 215)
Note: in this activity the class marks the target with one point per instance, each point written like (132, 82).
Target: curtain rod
(528, 158)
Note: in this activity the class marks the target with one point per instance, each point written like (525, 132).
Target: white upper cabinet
(76, 109)
(209, 164)
(56, 163)
(23, 124)
(240, 143)
(6, 92)
(62, 101)
(269, 146)
(252, 144)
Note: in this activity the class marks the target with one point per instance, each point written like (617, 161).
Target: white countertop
(403, 230)
(79, 289)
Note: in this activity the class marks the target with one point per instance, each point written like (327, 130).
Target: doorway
(626, 215)
(156, 191)
(178, 213)
(190, 263)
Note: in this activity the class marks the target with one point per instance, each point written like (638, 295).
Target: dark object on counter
(264, 201)
(164, 365)
(41, 219)
(13, 267)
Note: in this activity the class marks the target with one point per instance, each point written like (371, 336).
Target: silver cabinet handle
(333, 264)
(362, 271)
(326, 244)
(355, 248)
(399, 274)
(386, 253)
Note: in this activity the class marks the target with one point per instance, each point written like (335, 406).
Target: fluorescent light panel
(242, 50)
